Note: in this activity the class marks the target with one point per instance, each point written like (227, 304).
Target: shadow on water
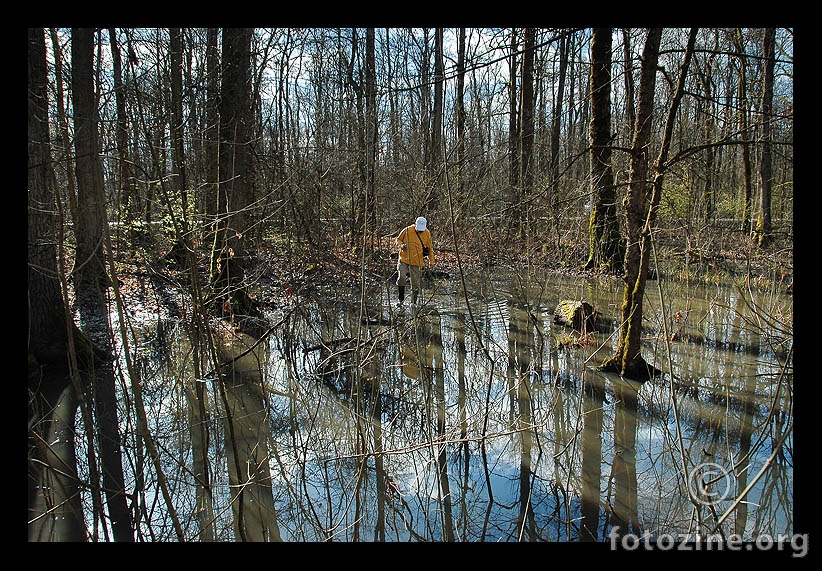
(474, 417)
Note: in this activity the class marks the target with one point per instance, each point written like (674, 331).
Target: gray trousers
(416, 276)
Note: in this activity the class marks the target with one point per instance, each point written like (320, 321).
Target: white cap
(421, 224)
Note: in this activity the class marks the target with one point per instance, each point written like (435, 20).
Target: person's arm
(401, 239)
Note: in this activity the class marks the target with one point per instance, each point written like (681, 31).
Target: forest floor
(725, 262)
(277, 278)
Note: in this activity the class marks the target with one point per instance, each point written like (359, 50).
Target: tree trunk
(513, 118)
(605, 249)
(765, 170)
(179, 254)
(63, 136)
(459, 111)
(707, 105)
(627, 359)
(742, 114)
(556, 122)
(47, 319)
(371, 135)
(526, 131)
(89, 263)
(436, 123)
(93, 277)
(211, 133)
(177, 121)
(393, 106)
(49, 469)
(425, 101)
(124, 178)
(236, 178)
(630, 88)
(359, 205)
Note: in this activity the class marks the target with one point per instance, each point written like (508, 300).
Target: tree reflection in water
(437, 423)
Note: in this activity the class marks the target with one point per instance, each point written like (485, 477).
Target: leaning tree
(642, 208)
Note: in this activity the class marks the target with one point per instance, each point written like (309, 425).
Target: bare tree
(628, 77)
(236, 178)
(92, 279)
(706, 113)
(177, 118)
(63, 136)
(627, 359)
(459, 113)
(212, 127)
(605, 248)
(124, 168)
(90, 261)
(50, 334)
(425, 131)
(371, 131)
(742, 118)
(763, 227)
(513, 116)
(526, 131)
(556, 121)
(356, 82)
(642, 208)
(437, 120)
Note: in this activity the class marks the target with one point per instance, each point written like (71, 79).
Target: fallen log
(577, 314)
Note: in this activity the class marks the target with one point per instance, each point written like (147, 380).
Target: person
(415, 246)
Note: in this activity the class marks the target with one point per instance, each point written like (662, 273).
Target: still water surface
(474, 417)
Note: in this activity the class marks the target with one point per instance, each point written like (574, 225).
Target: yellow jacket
(411, 254)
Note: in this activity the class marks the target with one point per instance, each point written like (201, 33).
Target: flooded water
(474, 417)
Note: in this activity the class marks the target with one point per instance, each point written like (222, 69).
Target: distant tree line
(347, 124)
